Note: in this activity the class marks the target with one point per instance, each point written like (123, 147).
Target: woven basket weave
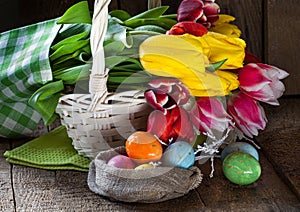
(100, 120)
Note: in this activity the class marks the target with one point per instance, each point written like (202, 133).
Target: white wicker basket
(101, 120)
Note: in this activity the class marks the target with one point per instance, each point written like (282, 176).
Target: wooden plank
(6, 190)
(249, 19)
(280, 141)
(282, 39)
(268, 193)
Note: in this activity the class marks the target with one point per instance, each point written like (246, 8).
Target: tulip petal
(190, 10)
(261, 82)
(156, 100)
(211, 8)
(223, 26)
(208, 114)
(189, 27)
(172, 54)
(248, 114)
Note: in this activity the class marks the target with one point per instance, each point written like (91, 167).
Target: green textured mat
(52, 151)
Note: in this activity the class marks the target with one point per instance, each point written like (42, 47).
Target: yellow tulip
(185, 59)
(219, 83)
(164, 55)
(218, 47)
(223, 26)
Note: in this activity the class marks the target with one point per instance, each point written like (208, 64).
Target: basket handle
(153, 3)
(99, 74)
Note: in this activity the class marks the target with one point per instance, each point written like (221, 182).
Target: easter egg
(239, 147)
(241, 168)
(179, 154)
(145, 166)
(121, 161)
(143, 147)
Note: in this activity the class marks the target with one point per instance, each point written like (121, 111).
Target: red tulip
(248, 114)
(166, 93)
(209, 113)
(169, 127)
(262, 82)
(201, 11)
(190, 27)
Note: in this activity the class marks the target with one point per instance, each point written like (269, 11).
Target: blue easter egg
(239, 147)
(179, 154)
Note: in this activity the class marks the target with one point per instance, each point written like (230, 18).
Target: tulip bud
(201, 11)
(190, 27)
(209, 113)
(166, 93)
(262, 82)
(248, 114)
(171, 126)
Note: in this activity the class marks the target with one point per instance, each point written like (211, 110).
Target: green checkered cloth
(24, 67)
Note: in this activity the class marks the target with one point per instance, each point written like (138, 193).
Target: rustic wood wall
(270, 27)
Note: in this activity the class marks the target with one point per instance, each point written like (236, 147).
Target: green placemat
(52, 151)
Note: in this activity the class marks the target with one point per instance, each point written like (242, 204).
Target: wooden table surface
(278, 189)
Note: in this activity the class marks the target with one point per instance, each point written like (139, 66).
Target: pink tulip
(190, 27)
(201, 11)
(262, 82)
(166, 93)
(248, 114)
(208, 113)
(169, 127)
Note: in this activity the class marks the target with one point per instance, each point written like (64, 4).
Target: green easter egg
(241, 168)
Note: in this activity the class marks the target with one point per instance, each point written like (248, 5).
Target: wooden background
(270, 27)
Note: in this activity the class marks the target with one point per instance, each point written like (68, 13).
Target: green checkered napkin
(52, 151)
(24, 67)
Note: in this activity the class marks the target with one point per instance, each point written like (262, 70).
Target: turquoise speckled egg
(179, 154)
(241, 168)
(239, 147)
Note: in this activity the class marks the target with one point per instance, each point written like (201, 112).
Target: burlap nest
(147, 186)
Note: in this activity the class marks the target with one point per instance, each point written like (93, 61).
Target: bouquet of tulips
(203, 57)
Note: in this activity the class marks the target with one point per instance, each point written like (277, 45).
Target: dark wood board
(280, 141)
(263, 195)
(282, 39)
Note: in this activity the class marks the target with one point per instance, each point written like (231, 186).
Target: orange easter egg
(143, 147)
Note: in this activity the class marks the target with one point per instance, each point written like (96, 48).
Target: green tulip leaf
(77, 14)
(165, 23)
(117, 32)
(69, 30)
(72, 75)
(69, 49)
(113, 48)
(71, 39)
(215, 66)
(151, 28)
(171, 16)
(45, 100)
(120, 14)
(152, 13)
(113, 61)
(128, 80)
